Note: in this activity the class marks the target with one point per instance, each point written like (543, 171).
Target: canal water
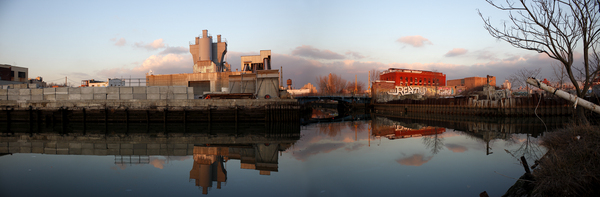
(362, 155)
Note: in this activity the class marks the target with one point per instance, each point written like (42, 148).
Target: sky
(112, 39)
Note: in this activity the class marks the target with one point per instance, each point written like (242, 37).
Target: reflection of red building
(404, 132)
(407, 77)
(399, 132)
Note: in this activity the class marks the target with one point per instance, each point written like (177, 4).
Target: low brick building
(473, 82)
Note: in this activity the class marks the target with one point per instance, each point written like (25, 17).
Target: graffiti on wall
(406, 90)
(422, 90)
(445, 91)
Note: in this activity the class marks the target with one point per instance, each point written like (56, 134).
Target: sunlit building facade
(408, 77)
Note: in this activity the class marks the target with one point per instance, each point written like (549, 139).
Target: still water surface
(375, 157)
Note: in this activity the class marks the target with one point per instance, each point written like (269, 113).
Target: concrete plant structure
(212, 75)
(209, 56)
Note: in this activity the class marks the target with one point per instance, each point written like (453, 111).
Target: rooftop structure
(9, 73)
(257, 62)
(408, 77)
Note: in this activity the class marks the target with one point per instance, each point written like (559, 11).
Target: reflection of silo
(205, 45)
(206, 180)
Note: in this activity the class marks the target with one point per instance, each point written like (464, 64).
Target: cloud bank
(159, 64)
(314, 53)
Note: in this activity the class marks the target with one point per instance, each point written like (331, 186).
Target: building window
(22, 75)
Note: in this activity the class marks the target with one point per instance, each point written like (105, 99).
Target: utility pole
(565, 95)
(65, 81)
(369, 86)
(355, 85)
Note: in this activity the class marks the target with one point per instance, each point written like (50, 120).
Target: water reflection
(483, 129)
(333, 158)
(257, 146)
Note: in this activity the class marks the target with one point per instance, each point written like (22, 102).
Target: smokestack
(204, 33)
(218, 38)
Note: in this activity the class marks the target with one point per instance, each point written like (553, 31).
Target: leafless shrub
(572, 165)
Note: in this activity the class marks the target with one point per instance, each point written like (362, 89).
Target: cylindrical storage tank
(266, 64)
(205, 46)
(289, 82)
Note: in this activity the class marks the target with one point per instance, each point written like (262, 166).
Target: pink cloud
(415, 160)
(456, 52)
(156, 44)
(119, 42)
(157, 163)
(415, 41)
(456, 148)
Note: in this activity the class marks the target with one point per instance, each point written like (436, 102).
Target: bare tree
(435, 142)
(331, 84)
(360, 87)
(554, 27)
(560, 75)
(519, 78)
(374, 75)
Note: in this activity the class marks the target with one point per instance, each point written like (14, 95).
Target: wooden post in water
(165, 112)
(184, 116)
(84, 119)
(30, 111)
(209, 119)
(524, 162)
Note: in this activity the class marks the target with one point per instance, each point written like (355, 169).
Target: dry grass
(572, 165)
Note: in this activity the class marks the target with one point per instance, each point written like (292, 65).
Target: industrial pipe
(565, 95)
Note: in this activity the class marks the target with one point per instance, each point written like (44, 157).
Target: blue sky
(102, 39)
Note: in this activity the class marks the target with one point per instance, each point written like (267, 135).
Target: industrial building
(213, 75)
(473, 82)
(408, 77)
(109, 83)
(13, 74)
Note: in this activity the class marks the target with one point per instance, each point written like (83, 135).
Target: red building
(407, 77)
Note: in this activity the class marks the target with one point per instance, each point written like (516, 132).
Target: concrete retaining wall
(99, 93)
